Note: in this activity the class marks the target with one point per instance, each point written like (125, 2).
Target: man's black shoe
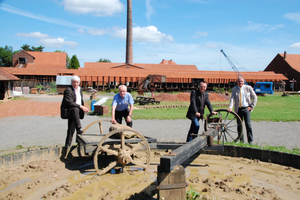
(79, 131)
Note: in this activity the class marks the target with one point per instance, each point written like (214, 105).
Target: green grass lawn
(268, 108)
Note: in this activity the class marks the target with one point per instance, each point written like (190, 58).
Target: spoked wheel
(230, 124)
(80, 148)
(135, 151)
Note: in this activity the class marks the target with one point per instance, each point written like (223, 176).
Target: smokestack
(284, 55)
(129, 57)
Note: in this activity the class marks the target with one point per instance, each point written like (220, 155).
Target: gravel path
(41, 131)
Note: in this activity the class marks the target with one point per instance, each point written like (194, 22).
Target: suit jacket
(251, 97)
(195, 105)
(69, 101)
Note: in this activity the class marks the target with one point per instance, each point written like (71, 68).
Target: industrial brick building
(43, 67)
(289, 66)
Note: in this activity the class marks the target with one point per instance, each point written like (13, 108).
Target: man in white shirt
(244, 99)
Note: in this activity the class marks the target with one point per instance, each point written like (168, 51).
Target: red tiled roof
(142, 66)
(133, 72)
(46, 60)
(293, 60)
(6, 76)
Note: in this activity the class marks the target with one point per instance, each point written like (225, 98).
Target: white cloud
(34, 34)
(97, 8)
(295, 46)
(211, 45)
(81, 30)
(97, 31)
(47, 41)
(260, 27)
(149, 11)
(145, 34)
(293, 16)
(52, 20)
(57, 42)
(202, 34)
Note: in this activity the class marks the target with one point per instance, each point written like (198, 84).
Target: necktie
(202, 104)
(240, 98)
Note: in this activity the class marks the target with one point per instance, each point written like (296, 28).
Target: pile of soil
(213, 97)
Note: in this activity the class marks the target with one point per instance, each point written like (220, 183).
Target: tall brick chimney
(284, 55)
(129, 56)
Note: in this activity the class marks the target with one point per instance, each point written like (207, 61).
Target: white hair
(75, 78)
(122, 86)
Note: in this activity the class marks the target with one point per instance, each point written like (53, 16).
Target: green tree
(27, 47)
(6, 54)
(40, 48)
(104, 60)
(74, 63)
(68, 58)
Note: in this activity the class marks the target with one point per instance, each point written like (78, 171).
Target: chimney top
(284, 55)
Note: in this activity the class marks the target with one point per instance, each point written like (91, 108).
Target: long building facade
(44, 67)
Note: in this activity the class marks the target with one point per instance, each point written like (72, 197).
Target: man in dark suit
(199, 99)
(73, 106)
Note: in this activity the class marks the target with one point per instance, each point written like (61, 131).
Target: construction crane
(233, 66)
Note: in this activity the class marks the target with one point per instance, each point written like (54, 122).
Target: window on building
(22, 60)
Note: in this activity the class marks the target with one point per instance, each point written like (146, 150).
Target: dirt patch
(17, 108)
(213, 176)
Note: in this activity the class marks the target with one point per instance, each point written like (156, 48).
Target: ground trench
(84, 165)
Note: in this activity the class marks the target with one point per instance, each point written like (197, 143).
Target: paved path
(39, 131)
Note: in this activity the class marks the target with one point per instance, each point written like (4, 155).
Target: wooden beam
(178, 156)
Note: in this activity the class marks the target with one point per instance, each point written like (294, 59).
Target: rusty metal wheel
(230, 124)
(134, 151)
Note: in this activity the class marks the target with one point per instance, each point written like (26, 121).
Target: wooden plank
(168, 162)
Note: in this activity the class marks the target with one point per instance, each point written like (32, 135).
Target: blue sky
(251, 32)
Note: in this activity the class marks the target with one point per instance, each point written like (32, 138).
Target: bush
(52, 84)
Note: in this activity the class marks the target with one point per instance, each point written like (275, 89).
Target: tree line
(7, 52)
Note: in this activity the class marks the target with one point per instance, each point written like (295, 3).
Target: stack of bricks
(102, 110)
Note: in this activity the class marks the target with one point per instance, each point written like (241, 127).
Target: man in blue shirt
(119, 107)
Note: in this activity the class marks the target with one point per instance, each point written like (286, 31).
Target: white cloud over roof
(97, 8)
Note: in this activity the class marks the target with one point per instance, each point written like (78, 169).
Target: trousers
(73, 124)
(244, 114)
(194, 128)
(120, 114)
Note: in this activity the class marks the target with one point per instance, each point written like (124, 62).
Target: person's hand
(85, 109)
(128, 119)
(198, 114)
(249, 108)
(214, 113)
(113, 121)
(229, 109)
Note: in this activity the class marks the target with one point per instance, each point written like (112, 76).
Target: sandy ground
(216, 177)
